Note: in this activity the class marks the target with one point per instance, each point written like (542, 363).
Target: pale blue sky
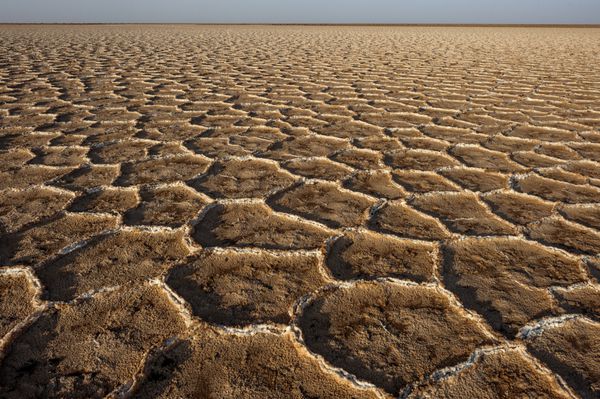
(303, 11)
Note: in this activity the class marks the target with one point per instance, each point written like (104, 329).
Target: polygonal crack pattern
(582, 298)
(42, 242)
(243, 178)
(400, 219)
(17, 296)
(122, 257)
(256, 225)
(20, 208)
(170, 206)
(390, 334)
(162, 170)
(504, 372)
(571, 349)
(325, 203)
(462, 213)
(214, 365)
(243, 288)
(506, 279)
(262, 211)
(56, 357)
(371, 255)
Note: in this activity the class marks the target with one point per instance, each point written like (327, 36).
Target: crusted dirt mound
(261, 365)
(91, 347)
(390, 334)
(299, 212)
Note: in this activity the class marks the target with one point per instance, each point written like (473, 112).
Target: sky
(304, 11)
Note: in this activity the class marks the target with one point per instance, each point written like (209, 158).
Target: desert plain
(299, 212)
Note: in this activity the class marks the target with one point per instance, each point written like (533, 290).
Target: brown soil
(572, 350)
(389, 334)
(506, 279)
(510, 372)
(225, 366)
(238, 288)
(299, 211)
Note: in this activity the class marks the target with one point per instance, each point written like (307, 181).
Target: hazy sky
(303, 11)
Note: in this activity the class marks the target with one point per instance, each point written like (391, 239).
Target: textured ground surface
(299, 212)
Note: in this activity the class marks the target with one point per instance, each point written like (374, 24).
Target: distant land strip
(316, 24)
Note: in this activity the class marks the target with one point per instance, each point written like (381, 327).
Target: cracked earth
(299, 212)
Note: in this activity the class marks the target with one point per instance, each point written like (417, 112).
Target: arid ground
(299, 212)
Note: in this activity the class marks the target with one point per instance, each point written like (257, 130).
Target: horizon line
(442, 24)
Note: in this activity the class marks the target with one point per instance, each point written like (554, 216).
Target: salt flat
(299, 212)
